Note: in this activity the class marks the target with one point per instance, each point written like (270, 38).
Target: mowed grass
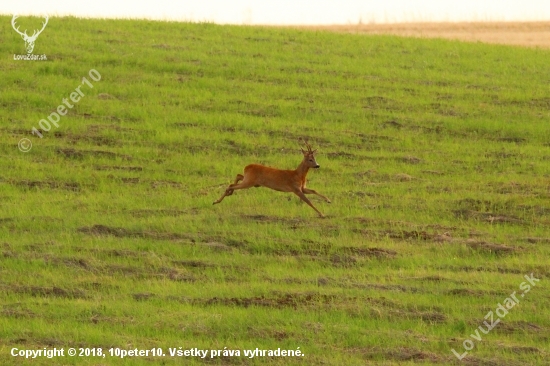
(435, 155)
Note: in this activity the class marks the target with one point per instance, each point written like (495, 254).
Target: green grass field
(435, 154)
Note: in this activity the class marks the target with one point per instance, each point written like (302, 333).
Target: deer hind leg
(238, 178)
(306, 200)
(312, 191)
(232, 187)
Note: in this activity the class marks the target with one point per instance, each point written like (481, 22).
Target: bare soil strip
(528, 34)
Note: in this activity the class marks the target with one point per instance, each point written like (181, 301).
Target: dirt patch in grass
(9, 254)
(501, 219)
(128, 180)
(103, 230)
(529, 240)
(40, 342)
(47, 291)
(306, 247)
(538, 210)
(399, 234)
(44, 246)
(520, 327)
(370, 252)
(160, 212)
(481, 269)
(216, 246)
(428, 317)
(97, 286)
(242, 244)
(338, 257)
(71, 262)
(185, 124)
(5, 220)
(79, 154)
(278, 300)
(466, 292)
(119, 269)
(392, 124)
(274, 219)
(410, 160)
(400, 354)
(473, 204)
(165, 183)
(294, 280)
(488, 217)
(433, 172)
(482, 210)
(193, 264)
(16, 311)
(16, 131)
(115, 167)
(92, 140)
(172, 274)
(342, 154)
(268, 333)
(491, 247)
(106, 230)
(342, 260)
(377, 286)
(292, 223)
(122, 253)
(434, 278)
(143, 296)
(522, 349)
(516, 140)
(410, 354)
(105, 96)
(30, 184)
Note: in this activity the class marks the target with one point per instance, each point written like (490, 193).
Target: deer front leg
(312, 191)
(306, 200)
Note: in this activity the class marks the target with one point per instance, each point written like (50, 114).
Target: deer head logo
(29, 40)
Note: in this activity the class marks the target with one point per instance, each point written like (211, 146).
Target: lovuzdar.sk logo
(29, 40)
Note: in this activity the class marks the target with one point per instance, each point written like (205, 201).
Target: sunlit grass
(434, 154)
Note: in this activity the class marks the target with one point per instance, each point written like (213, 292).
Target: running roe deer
(294, 181)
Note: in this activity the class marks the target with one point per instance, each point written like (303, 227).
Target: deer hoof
(328, 201)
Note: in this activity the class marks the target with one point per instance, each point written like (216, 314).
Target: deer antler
(17, 28)
(302, 140)
(309, 150)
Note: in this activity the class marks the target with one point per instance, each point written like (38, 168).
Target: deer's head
(309, 158)
(29, 40)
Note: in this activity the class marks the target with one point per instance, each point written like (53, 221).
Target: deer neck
(302, 169)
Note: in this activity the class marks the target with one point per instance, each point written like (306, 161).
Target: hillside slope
(435, 155)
